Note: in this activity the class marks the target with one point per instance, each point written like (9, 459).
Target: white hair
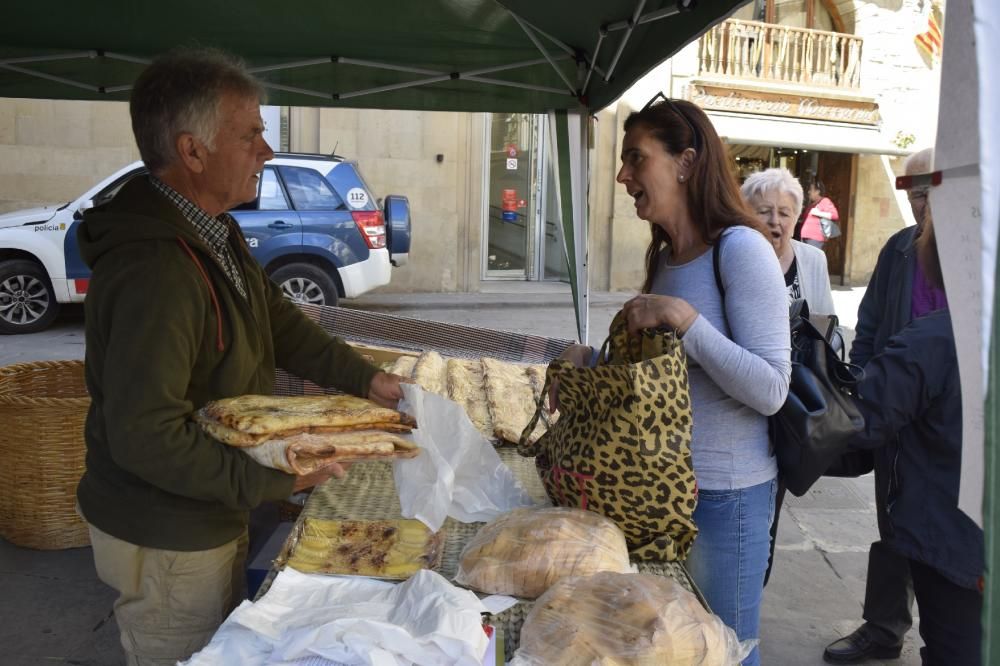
(760, 183)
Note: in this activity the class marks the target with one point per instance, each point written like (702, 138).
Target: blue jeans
(729, 556)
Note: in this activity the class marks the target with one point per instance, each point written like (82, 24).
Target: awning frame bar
(541, 49)
(631, 23)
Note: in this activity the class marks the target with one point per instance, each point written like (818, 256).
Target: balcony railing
(771, 52)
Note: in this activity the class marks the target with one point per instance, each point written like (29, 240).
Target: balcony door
(521, 239)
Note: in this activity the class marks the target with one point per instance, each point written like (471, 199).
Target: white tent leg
(568, 132)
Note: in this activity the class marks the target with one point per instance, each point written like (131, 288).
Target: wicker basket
(42, 410)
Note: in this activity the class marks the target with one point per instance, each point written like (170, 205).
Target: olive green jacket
(167, 332)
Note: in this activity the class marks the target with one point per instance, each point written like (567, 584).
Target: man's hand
(578, 355)
(333, 470)
(385, 389)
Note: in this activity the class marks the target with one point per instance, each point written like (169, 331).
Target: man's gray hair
(762, 182)
(179, 92)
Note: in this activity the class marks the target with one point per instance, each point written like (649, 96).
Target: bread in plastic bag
(613, 619)
(525, 551)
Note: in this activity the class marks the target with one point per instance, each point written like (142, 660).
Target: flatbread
(305, 453)
(234, 437)
(394, 549)
(403, 366)
(511, 399)
(268, 414)
(465, 387)
(431, 373)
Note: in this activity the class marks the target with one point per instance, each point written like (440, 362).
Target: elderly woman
(675, 168)
(775, 196)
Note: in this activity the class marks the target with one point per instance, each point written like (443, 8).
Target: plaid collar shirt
(213, 230)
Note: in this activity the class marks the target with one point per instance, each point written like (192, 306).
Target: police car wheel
(27, 302)
(306, 283)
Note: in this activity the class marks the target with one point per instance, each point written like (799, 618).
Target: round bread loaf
(612, 619)
(523, 552)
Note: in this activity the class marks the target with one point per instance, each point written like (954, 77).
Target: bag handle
(523, 446)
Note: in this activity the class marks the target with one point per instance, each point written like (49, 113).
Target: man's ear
(191, 151)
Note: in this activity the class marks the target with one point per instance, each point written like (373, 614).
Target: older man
(178, 314)
(897, 293)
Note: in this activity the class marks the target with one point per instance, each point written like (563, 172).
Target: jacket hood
(138, 213)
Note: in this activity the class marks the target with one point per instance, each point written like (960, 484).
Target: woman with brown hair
(676, 169)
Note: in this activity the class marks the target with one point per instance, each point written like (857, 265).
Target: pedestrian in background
(897, 293)
(911, 400)
(820, 223)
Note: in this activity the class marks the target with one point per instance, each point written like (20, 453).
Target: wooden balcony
(781, 54)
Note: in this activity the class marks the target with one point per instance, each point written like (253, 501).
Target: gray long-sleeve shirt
(739, 360)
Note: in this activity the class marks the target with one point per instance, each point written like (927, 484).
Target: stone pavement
(54, 610)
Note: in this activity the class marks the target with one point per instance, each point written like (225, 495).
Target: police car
(315, 226)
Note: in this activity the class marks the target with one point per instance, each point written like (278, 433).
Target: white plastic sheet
(352, 620)
(458, 473)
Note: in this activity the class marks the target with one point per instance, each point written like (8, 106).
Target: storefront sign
(719, 98)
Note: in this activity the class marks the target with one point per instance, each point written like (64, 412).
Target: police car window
(271, 195)
(309, 189)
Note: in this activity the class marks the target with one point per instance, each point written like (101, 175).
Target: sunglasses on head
(660, 98)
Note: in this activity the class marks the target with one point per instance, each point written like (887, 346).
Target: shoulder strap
(716, 264)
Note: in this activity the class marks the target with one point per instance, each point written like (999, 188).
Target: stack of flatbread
(300, 434)
(499, 397)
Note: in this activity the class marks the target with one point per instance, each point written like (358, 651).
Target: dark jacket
(167, 332)
(885, 308)
(911, 394)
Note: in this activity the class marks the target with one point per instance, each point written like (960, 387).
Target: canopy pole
(568, 132)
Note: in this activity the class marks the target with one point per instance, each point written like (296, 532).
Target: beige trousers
(170, 602)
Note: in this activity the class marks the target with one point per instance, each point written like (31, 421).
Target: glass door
(509, 222)
(520, 241)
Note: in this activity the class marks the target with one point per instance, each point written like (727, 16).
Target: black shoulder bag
(810, 432)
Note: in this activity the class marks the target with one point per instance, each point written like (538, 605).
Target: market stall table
(369, 493)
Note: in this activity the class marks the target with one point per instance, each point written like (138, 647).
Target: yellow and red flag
(929, 42)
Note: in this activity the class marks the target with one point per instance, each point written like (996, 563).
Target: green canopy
(437, 55)
(528, 56)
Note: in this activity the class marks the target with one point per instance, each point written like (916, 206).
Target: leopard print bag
(622, 443)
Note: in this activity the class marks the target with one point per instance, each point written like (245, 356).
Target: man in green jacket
(178, 314)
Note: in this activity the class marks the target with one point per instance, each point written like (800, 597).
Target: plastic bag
(612, 619)
(458, 472)
(524, 552)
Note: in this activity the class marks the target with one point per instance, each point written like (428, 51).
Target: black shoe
(857, 647)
